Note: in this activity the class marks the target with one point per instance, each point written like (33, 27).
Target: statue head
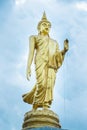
(44, 25)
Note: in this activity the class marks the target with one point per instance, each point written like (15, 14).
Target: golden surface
(40, 118)
(48, 59)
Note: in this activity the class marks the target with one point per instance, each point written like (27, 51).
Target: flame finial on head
(44, 16)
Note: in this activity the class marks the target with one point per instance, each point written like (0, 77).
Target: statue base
(39, 119)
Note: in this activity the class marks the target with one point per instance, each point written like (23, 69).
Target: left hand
(28, 73)
(66, 45)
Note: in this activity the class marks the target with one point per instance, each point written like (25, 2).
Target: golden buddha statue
(48, 59)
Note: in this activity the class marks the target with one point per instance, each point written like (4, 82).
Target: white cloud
(82, 6)
(69, 97)
(14, 128)
(19, 2)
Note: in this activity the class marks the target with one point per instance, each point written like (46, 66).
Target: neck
(44, 34)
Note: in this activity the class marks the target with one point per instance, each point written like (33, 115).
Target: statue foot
(33, 110)
(34, 107)
(46, 106)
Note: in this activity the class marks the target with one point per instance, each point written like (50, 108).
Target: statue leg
(41, 76)
(49, 88)
(34, 107)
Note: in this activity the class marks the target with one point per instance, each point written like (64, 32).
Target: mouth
(46, 29)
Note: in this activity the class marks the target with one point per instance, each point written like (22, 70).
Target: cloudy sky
(18, 20)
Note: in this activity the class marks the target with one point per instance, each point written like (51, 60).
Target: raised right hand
(66, 45)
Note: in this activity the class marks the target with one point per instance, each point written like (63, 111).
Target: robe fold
(48, 60)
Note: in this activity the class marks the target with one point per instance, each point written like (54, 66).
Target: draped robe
(48, 59)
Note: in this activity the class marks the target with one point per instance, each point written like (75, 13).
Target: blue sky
(18, 20)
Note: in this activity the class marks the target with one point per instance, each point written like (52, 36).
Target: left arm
(61, 54)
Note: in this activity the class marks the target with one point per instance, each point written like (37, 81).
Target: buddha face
(45, 27)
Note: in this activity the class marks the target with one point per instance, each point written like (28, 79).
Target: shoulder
(32, 37)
